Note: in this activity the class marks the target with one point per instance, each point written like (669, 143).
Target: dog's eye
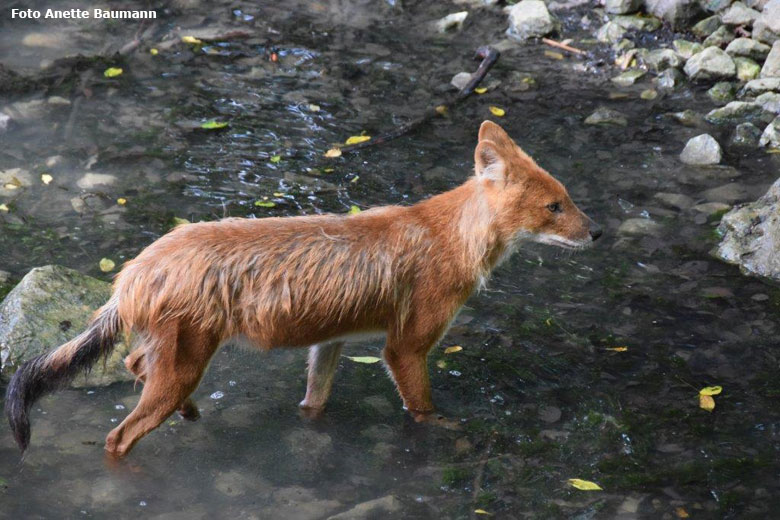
(555, 207)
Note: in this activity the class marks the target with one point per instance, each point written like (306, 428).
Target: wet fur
(308, 281)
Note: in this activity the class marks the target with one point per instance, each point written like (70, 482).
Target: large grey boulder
(751, 236)
(766, 28)
(771, 68)
(530, 19)
(711, 63)
(676, 12)
(701, 150)
(50, 306)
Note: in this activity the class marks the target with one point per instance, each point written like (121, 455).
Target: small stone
(669, 79)
(676, 12)
(550, 414)
(701, 150)
(606, 116)
(622, 6)
(453, 21)
(748, 48)
(711, 63)
(771, 135)
(685, 49)
(648, 94)
(706, 27)
(766, 28)
(662, 59)
(610, 32)
(713, 6)
(638, 23)
(728, 193)
(746, 135)
(91, 180)
(674, 200)
(529, 19)
(711, 208)
(722, 92)
(769, 101)
(4, 276)
(739, 14)
(376, 508)
(628, 77)
(747, 69)
(460, 80)
(719, 38)
(759, 86)
(771, 68)
(687, 117)
(736, 111)
(58, 100)
(12, 179)
(49, 40)
(639, 226)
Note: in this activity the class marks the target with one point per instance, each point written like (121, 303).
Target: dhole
(402, 272)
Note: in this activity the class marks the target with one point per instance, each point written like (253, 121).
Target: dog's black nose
(595, 231)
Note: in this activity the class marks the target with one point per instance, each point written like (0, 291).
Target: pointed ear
(490, 130)
(488, 162)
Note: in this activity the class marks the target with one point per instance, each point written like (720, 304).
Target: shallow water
(541, 398)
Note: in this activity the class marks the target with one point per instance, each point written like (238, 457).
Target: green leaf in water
(213, 125)
(112, 72)
(276, 158)
(354, 210)
(264, 204)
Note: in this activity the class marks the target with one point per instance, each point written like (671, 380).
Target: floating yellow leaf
(554, 55)
(191, 39)
(4, 208)
(711, 390)
(584, 485)
(213, 125)
(364, 359)
(278, 194)
(617, 349)
(46, 178)
(112, 72)
(153, 51)
(13, 184)
(313, 107)
(441, 110)
(121, 201)
(178, 221)
(681, 512)
(355, 179)
(496, 111)
(482, 512)
(648, 94)
(480, 90)
(276, 158)
(706, 402)
(355, 139)
(264, 204)
(333, 152)
(548, 322)
(328, 170)
(107, 265)
(452, 350)
(354, 210)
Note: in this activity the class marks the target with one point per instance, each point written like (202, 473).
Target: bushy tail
(49, 372)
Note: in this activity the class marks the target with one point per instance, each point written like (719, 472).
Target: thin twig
(481, 468)
(489, 56)
(564, 46)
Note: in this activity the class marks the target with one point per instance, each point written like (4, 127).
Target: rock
(669, 79)
(769, 101)
(13, 179)
(550, 414)
(748, 48)
(662, 59)
(766, 28)
(701, 150)
(674, 200)
(91, 180)
(728, 193)
(711, 208)
(628, 77)
(50, 306)
(713, 6)
(687, 117)
(451, 21)
(719, 38)
(739, 14)
(685, 49)
(771, 135)
(637, 23)
(737, 111)
(771, 68)
(48, 40)
(711, 63)
(606, 116)
(377, 508)
(706, 27)
(639, 226)
(610, 32)
(751, 236)
(747, 69)
(676, 12)
(759, 86)
(460, 80)
(308, 448)
(722, 92)
(747, 135)
(4, 276)
(622, 6)
(5, 122)
(529, 19)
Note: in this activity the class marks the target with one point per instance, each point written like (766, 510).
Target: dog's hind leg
(136, 364)
(174, 359)
(323, 361)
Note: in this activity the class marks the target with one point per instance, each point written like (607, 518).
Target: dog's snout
(595, 231)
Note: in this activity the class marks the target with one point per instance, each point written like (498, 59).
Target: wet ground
(542, 397)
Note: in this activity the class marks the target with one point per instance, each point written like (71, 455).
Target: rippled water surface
(541, 396)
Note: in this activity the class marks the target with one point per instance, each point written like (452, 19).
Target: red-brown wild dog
(402, 272)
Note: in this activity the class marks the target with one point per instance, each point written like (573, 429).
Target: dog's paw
(437, 420)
